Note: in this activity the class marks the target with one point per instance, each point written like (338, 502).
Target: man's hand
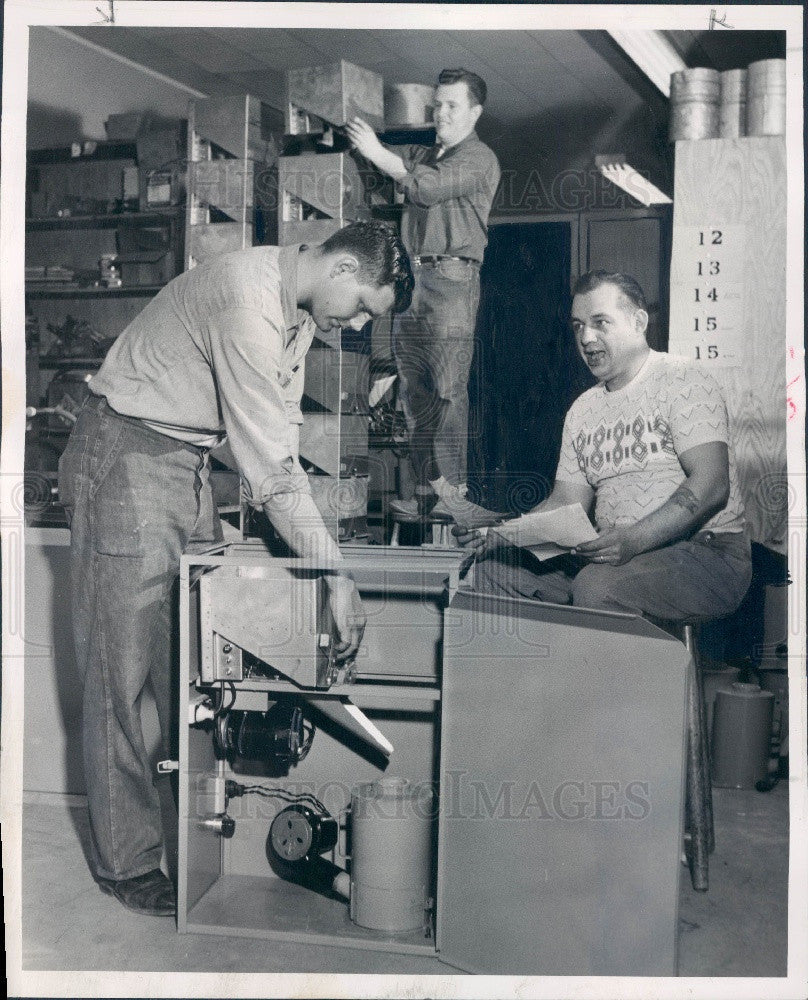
(613, 548)
(479, 542)
(363, 139)
(349, 615)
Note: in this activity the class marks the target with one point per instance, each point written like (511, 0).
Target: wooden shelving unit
(58, 364)
(76, 214)
(107, 221)
(67, 291)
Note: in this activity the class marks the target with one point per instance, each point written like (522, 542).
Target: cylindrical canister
(732, 112)
(713, 681)
(732, 121)
(408, 105)
(695, 97)
(742, 726)
(733, 86)
(693, 121)
(697, 84)
(766, 97)
(391, 822)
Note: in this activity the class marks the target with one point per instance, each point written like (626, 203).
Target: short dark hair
(627, 286)
(475, 84)
(381, 255)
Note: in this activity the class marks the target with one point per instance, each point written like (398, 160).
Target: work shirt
(219, 352)
(448, 197)
(625, 444)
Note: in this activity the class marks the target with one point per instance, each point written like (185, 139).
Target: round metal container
(699, 84)
(713, 681)
(732, 120)
(766, 97)
(766, 114)
(767, 75)
(693, 120)
(733, 86)
(391, 823)
(408, 105)
(742, 727)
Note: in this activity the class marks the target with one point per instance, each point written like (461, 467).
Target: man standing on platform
(448, 190)
(648, 447)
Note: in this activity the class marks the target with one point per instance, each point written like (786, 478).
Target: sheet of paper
(551, 532)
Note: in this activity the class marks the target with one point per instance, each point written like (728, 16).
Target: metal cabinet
(226, 884)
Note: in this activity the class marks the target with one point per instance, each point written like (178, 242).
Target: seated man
(649, 446)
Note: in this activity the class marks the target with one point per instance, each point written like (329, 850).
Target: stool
(699, 795)
(441, 528)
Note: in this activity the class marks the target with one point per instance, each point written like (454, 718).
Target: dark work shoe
(454, 505)
(151, 894)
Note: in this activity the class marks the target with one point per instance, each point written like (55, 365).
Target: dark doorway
(526, 369)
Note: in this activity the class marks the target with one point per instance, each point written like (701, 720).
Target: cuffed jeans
(433, 344)
(136, 501)
(701, 578)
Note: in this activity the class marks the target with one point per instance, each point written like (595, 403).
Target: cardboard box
(335, 93)
(146, 267)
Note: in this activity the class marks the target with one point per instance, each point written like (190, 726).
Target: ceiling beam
(131, 48)
(653, 54)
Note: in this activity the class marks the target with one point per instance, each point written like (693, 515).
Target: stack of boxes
(320, 190)
(232, 154)
(313, 190)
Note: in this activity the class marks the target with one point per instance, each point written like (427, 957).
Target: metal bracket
(167, 766)
(227, 660)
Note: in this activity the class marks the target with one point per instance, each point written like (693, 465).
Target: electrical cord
(233, 790)
(308, 728)
(220, 708)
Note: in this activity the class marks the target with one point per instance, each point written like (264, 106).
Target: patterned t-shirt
(625, 444)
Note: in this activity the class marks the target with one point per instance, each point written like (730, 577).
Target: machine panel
(562, 787)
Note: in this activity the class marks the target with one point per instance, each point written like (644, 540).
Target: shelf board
(101, 151)
(269, 907)
(66, 291)
(111, 221)
(56, 363)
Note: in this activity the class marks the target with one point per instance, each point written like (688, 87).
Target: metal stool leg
(698, 791)
(691, 644)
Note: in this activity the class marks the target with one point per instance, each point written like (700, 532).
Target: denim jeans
(700, 578)
(433, 344)
(136, 500)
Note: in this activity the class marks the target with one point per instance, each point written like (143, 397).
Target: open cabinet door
(562, 791)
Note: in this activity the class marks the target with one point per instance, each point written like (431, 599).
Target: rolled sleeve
(256, 402)
(697, 411)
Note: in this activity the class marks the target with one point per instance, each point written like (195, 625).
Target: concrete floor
(738, 928)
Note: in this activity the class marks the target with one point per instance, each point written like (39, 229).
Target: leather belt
(437, 258)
